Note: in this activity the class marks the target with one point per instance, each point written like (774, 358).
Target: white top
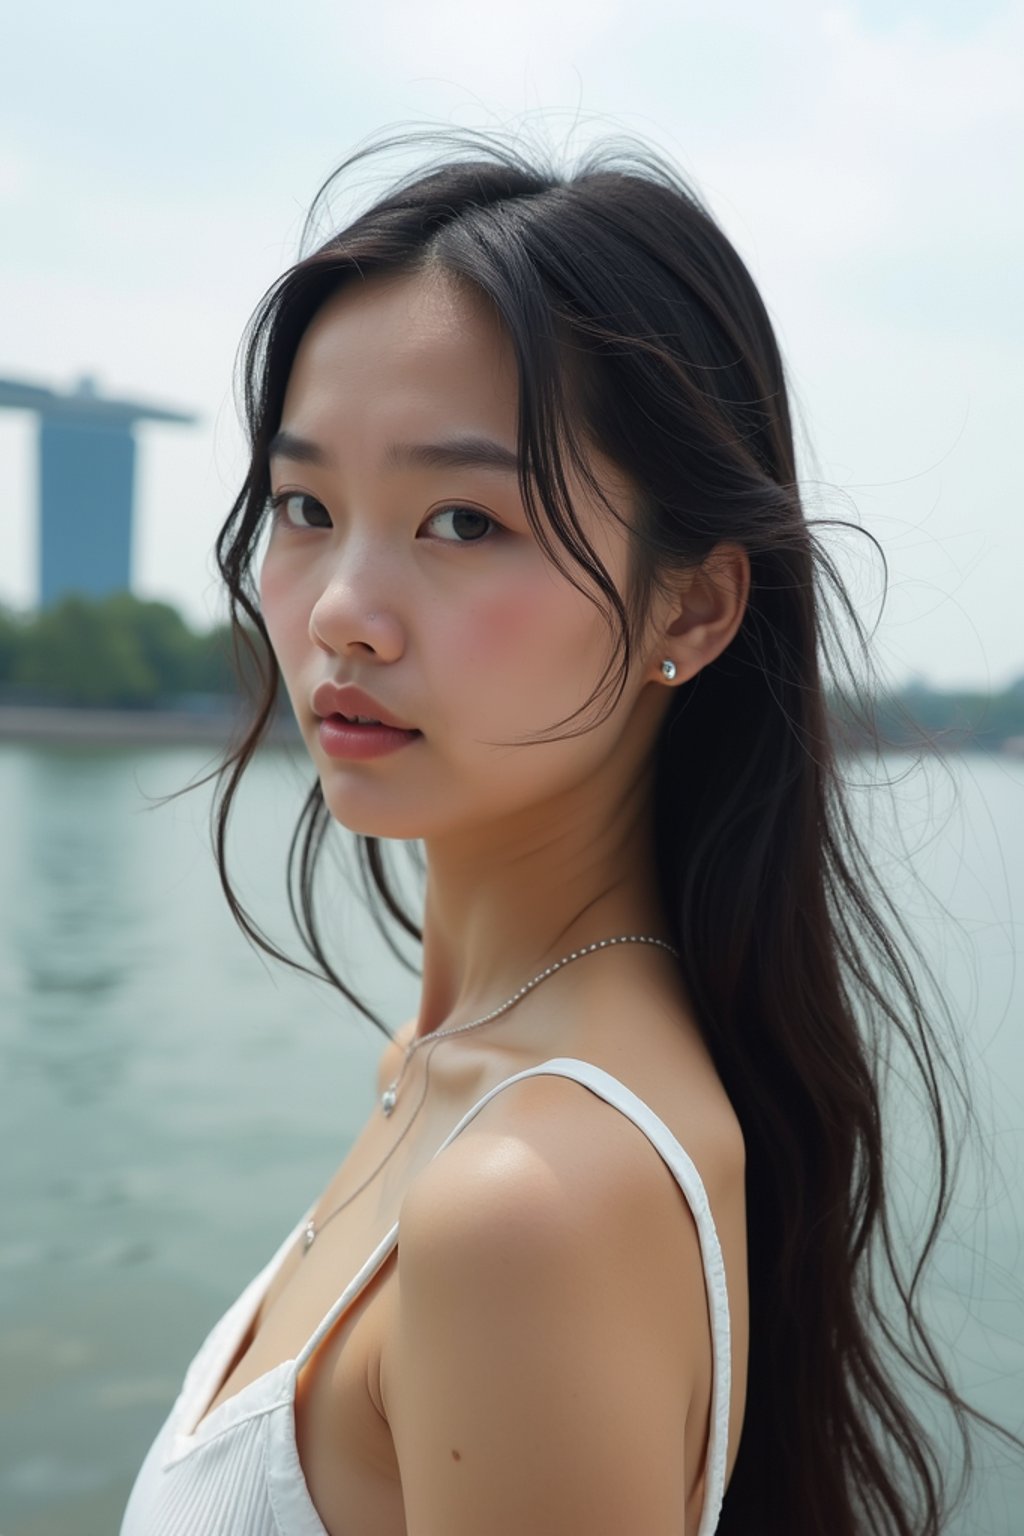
(239, 1471)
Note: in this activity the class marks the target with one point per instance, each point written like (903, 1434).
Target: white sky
(864, 157)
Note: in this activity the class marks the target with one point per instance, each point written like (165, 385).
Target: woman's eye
(466, 525)
(470, 525)
(287, 507)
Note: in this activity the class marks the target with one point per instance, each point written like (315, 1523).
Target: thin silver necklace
(389, 1097)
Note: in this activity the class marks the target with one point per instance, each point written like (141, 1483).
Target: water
(171, 1101)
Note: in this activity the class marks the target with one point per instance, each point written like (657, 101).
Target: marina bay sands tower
(86, 485)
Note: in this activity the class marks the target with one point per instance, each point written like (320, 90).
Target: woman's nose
(346, 618)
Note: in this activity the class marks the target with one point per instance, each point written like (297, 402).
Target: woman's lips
(348, 700)
(344, 738)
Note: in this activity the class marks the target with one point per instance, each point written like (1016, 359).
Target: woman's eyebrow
(288, 445)
(466, 452)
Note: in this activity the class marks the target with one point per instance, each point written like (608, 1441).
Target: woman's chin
(351, 811)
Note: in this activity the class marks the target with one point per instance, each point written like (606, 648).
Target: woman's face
(402, 560)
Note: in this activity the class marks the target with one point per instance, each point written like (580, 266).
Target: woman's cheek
(528, 650)
(513, 618)
(501, 626)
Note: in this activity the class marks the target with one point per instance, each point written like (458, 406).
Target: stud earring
(669, 669)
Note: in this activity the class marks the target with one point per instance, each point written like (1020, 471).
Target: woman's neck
(498, 914)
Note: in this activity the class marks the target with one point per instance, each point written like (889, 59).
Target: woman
(539, 585)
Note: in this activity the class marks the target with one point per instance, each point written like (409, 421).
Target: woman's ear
(707, 608)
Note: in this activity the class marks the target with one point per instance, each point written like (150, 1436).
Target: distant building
(86, 485)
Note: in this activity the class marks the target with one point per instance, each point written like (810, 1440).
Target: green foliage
(213, 668)
(83, 653)
(10, 644)
(165, 645)
(115, 652)
(920, 717)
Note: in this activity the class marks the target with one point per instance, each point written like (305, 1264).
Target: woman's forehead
(411, 343)
(407, 314)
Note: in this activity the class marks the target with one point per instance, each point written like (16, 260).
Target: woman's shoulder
(668, 1070)
(549, 1240)
(670, 1081)
(556, 1150)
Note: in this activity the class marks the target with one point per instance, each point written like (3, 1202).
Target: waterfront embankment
(64, 725)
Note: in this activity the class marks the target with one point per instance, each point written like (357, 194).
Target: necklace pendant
(388, 1099)
(310, 1233)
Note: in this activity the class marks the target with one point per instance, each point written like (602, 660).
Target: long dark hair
(638, 328)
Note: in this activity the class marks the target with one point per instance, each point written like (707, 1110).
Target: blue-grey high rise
(86, 485)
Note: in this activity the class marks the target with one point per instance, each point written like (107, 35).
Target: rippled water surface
(171, 1101)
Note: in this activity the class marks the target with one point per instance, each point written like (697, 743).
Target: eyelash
(276, 505)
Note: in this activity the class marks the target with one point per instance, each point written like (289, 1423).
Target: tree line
(125, 652)
(116, 652)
